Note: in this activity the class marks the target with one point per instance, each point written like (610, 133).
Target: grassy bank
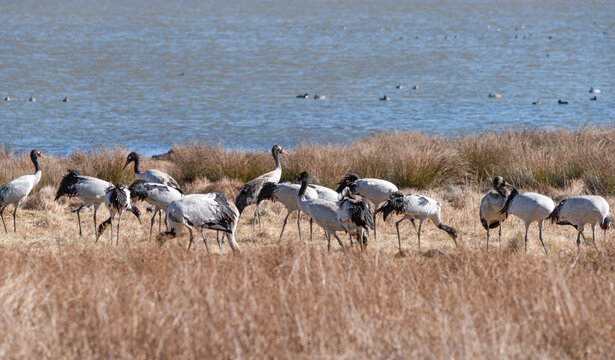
(63, 296)
(529, 158)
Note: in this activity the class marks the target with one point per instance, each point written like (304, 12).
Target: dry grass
(63, 296)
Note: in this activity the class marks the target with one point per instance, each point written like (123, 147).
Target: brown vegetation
(65, 297)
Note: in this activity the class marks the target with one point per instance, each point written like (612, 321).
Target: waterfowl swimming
(562, 102)
(399, 86)
(537, 102)
(319, 97)
(32, 99)
(385, 98)
(594, 98)
(415, 87)
(65, 99)
(7, 99)
(594, 91)
(304, 96)
(497, 96)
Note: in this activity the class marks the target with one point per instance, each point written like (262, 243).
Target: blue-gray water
(121, 63)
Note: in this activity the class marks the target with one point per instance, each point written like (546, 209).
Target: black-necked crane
(249, 193)
(529, 207)
(375, 190)
(326, 194)
(202, 211)
(491, 205)
(286, 193)
(158, 195)
(151, 175)
(16, 190)
(416, 207)
(355, 216)
(89, 189)
(580, 210)
(333, 216)
(117, 200)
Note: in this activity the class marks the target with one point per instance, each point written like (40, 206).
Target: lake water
(148, 74)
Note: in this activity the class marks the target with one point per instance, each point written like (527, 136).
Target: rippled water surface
(147, 74)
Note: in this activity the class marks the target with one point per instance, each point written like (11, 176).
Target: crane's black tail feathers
(509, 200)
(555, 214)
(267, 192)
(137, 190)
(241, 201)
(67, 185)
(360, 212)
(394, 203)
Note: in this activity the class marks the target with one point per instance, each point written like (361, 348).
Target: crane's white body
(416, 207)
(375, 190)
(210, 211)
(532, 207)
(325, 214)
(157, 176)
(582, 210)
(158, 195)
(325, 193)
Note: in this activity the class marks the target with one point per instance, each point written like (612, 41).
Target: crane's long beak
(127, 162)
(284, 152)
(507, 184)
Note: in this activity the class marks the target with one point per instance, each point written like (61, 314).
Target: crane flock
(348, 209)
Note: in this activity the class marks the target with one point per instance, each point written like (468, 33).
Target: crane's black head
(498, 182)
(133, 156)
(606, 224)
(35, 154)
(277, 149)
(347, 182)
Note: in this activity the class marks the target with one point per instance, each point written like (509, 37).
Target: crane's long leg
(205, 241)
(540, 236)
(299, 226)
(298, 223)
(500, 235)
(15, 217)
(2, 215)
(159, 222)
(375, 207)
(218, 241)
(328, 241)
(399, 237)
(361, 239)
(340, 242)
(578, 240)
(151, 226)
(311, 221)
(119, 221)
(284, 224)
(527, 226)
(419, 232)
(593, 236)
(112, 215)
(78, 211)
(487, 238)
(95, 210)
(192, 238)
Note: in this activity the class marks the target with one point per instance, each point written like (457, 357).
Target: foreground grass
(62, 296)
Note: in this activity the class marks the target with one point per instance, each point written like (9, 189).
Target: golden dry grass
(62, 296)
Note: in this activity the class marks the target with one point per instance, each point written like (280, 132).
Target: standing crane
(90, 190)
(375, 190)
(416, 207)
(158, 195)
(491, 205)
(16, 190)
(202, 211)
(529, 207)
(580, 210)
(117, 200)
(249, 193)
